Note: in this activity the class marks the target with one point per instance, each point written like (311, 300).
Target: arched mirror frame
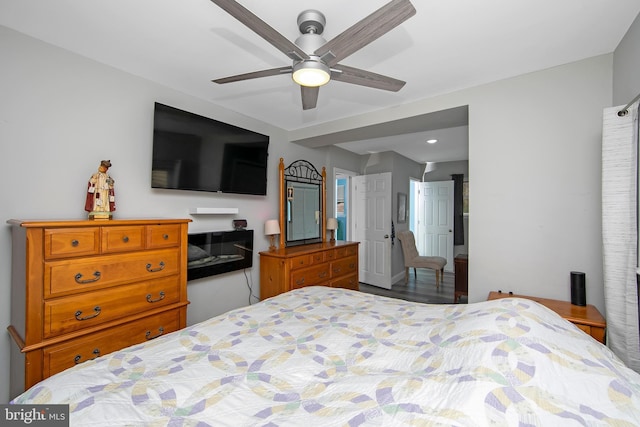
(304, 172)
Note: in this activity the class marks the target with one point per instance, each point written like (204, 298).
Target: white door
(372, 227)
(435, 234)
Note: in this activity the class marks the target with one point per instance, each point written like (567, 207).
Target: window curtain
(458, 216)
(620, 232)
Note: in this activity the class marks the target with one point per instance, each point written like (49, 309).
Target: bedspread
(319, 356)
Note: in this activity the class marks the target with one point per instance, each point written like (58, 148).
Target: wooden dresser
(82, 289)
(587, 318)
(322, 264)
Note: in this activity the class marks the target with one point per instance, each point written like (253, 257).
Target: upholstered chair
(413, 260)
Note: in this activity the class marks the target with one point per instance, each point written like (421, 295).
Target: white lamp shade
(271, 227)
(332, 224)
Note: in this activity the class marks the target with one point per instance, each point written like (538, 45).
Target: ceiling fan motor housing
(310, 42)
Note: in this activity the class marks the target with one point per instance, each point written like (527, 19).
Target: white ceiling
(447, 46)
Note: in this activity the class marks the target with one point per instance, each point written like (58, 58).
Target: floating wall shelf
(213, 211)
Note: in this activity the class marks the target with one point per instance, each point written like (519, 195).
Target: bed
(320, 356)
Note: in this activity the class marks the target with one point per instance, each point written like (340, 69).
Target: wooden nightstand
(461, 277)
(587, 318)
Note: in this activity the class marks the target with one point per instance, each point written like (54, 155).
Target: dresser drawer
(317, 257)
(64, 277)
(344, 266)
(71, 242)
(300, 261)
(315, 275)
(348, 282)
(122, 239)
(330, 255)
(70, 353)
(66, 314)
(163, 236)
(345, 251)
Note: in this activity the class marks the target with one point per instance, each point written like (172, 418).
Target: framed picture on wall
(402, 208)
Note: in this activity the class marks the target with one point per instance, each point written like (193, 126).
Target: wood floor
(423, 289)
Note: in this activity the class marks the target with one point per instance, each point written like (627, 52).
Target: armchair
(413, 260)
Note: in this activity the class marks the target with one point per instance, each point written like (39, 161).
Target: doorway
(342, 202)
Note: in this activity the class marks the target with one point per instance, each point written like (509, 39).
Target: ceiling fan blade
(254, 75)
(365, 78)
(261, 28)
(365, 31)
(309, 97)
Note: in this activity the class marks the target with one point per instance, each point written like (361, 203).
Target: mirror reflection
(303, 211)
(302, 201)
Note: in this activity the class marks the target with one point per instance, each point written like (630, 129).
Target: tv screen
(192, 152)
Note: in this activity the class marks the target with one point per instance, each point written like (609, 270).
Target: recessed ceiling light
(431, 141)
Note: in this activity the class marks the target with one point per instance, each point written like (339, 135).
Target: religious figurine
(101, 199)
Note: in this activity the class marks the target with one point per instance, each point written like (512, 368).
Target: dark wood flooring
(421, 289)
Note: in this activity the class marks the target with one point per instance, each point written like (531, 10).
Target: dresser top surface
(94, 223)
(306, 249)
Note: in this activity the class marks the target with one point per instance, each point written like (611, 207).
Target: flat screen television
(192, 152)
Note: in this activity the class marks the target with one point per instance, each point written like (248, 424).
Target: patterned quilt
(331, 357)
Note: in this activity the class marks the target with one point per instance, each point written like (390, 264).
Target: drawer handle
(337, 269)
(300, 281)
(78, 358)
(74, 243)
(352, 265)
(153, 270)
(125, 239)
(150, 337)
(322, 274)
(96, 277)
(157, 299)
(165, 236)
(96, 313)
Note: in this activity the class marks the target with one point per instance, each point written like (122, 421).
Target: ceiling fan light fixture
(311, 73)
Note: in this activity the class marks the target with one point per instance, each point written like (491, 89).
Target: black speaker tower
(578, 293)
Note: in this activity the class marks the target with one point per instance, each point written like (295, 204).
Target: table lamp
(332, 225)
(271, 229)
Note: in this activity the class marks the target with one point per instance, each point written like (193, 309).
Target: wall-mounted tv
(192, 152)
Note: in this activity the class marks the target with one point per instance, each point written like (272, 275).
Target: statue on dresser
(101, 200)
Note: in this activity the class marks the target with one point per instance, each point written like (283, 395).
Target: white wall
(626, 66)
(61, 114)
(535, 157)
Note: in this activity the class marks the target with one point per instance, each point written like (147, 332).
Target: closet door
(435, 236)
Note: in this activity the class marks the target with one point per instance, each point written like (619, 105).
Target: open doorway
(342, 202)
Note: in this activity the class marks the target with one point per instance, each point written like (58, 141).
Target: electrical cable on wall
(250, 286)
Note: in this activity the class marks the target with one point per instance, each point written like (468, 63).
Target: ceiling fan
(315, 61)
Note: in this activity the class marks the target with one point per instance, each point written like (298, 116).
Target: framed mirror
(302, 204)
